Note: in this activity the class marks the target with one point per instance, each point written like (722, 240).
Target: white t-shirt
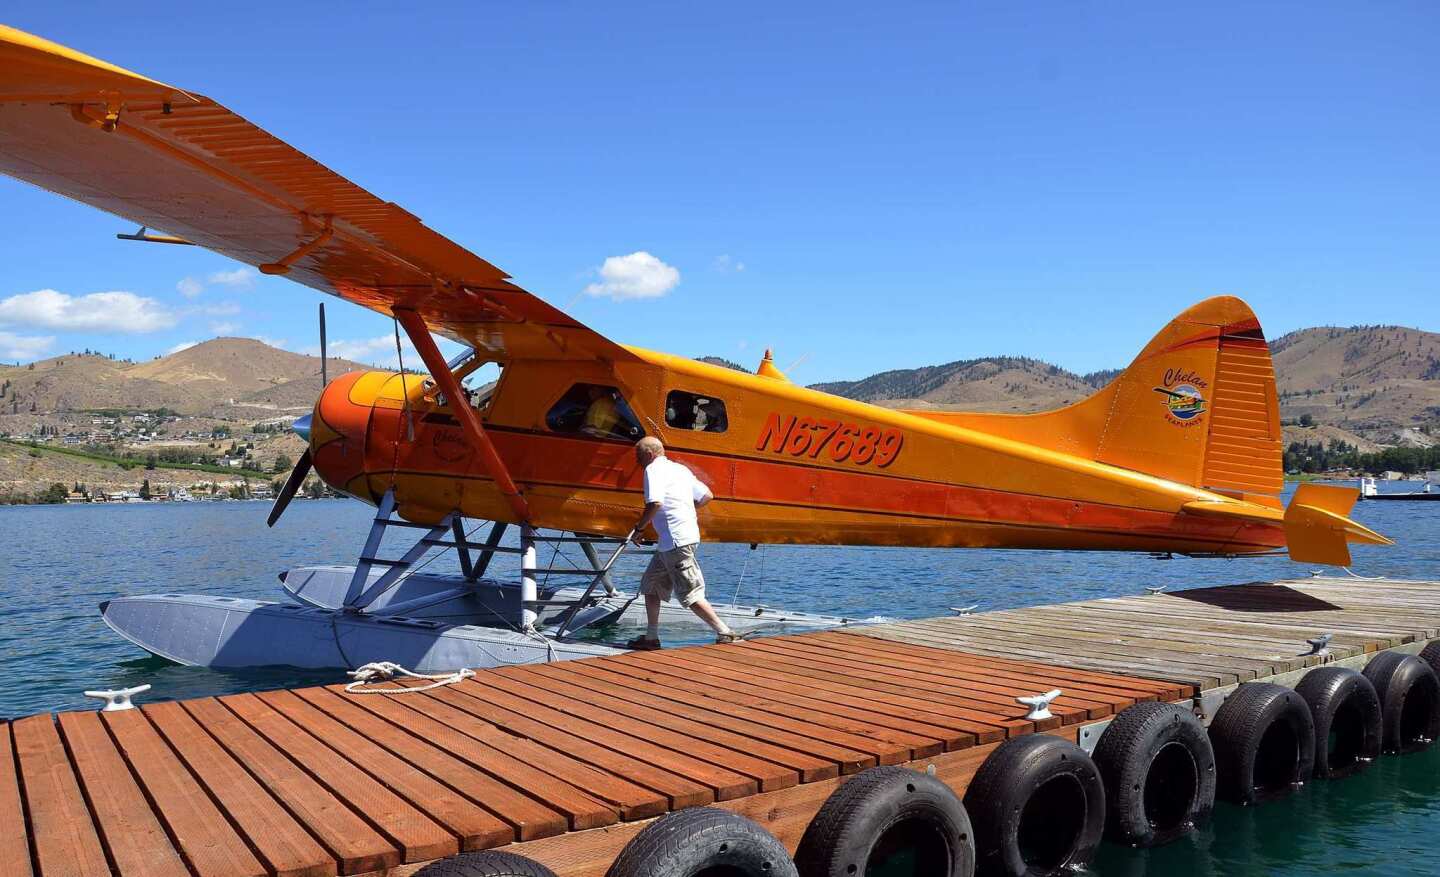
(677, 490)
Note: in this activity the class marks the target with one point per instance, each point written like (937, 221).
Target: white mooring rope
(384, 671)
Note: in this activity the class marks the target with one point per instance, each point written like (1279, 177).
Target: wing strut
(444, 378)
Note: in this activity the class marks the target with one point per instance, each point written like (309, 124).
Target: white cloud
(638, 275)
(183, 345)
(224, 328)
(240, 278)
(224, 309)
(727, 264)
(23, 347)
(273, 342)
(123, 312)
(379, 350)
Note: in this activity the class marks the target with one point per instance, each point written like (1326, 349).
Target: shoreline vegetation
(238, 482)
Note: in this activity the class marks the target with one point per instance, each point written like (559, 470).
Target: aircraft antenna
(324, 374)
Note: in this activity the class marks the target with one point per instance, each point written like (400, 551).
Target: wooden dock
(565, 762)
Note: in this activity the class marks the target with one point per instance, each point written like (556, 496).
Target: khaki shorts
(675, 572)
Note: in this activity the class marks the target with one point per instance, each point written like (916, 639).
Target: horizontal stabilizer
(1318, 529)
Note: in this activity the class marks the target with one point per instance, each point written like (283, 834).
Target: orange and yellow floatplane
(1180, 453)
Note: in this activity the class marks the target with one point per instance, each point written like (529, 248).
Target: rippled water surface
(58, 562)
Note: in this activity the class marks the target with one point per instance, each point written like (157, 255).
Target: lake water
(57, 563)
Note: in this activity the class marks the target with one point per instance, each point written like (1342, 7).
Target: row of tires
(1039, 805)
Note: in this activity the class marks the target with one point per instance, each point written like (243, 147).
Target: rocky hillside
(1381, 382)
(1369, 386)
(1000, 383)
(198, 380)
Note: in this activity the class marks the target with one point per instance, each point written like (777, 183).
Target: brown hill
(1366, 385)
(220, 372)
(1382, 382)
(1002, 383)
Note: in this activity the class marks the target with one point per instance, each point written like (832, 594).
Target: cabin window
(698, 412)
(478, 381)
(594, 410)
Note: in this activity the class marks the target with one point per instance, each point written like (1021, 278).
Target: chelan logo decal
(1184, 396)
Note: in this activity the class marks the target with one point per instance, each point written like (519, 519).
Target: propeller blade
(292, 484)
(324, 374)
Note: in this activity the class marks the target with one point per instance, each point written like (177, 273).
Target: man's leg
(655, 586)
(652, 615)
(689, 584)
(706, 612)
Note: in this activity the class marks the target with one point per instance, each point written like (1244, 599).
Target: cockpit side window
(698, 412)
(594, 410)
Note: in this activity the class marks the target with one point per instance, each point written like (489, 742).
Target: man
(672, 493)
(601, 415)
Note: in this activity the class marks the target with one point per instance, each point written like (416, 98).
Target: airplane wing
(173, 160)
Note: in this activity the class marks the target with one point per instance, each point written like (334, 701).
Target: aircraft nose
(301, 426)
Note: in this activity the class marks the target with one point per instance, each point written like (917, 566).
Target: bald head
(648, 449)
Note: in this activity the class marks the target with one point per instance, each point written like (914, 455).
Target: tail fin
(1318, 528)
(1197, 406)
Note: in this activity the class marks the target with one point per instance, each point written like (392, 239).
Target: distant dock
(564, 763)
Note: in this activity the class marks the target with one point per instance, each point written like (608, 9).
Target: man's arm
(701, 493)
(651, 508)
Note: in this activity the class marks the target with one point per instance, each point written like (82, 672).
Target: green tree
(145, 489)
(150, 462)
(53, 494)
(282, 464)
(1307, 420)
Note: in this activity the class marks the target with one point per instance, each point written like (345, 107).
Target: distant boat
(1368, 490)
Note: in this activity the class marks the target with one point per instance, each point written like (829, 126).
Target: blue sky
(860, 186)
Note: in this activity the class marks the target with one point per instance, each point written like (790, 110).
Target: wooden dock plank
(695, 743)
(736, 678)
(851, 752)
(679, 791)
(478, 742)
(987, 688)
(1136, 642)
(14, 838)
(475, 826)
(1276, 638)
(285, 846)
(129, 829)
(1119, 690)
(985, 727)
(725, 783)
(203, 834)
(1134, 658)
(1089, 705)
(66, 841)
(545, 808)
(1190, 678)
(349, 838)
(741, 737)
(937, 696)
(1097, 700)
(419, 837)
(880, 740)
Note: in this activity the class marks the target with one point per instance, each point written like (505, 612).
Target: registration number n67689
(806, 436)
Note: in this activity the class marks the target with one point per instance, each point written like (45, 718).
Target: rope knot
(386, 671)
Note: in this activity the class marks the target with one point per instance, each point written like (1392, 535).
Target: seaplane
(1179, 454)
